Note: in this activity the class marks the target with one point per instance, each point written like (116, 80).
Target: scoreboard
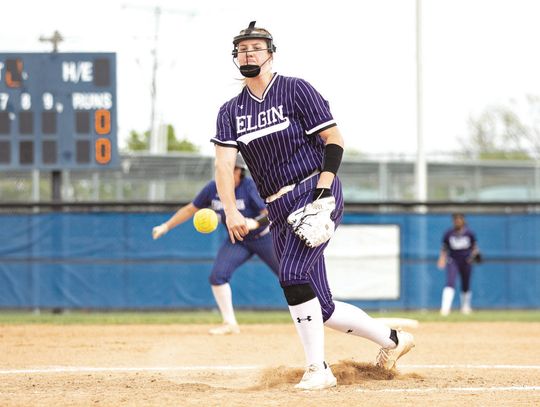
(58, 111)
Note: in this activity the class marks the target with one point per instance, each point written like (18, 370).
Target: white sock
(307, 318)
(223, 296)
(466, 301)
(352, 320)
(447, 298)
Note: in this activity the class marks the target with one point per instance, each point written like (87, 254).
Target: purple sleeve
(225, 129)
(204, 197)
(313, 108)
(445, 240)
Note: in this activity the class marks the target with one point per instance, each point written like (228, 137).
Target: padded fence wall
(109, 261)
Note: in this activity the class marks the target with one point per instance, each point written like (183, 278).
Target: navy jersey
(278, 134)
(459, 243)
(248, 201)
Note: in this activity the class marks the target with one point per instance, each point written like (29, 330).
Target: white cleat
(225, 329)
(317, 378)
(388, 357)
(466, 310)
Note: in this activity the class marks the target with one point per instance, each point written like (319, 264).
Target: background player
(285, 131)
(459, 250)
(257, 241)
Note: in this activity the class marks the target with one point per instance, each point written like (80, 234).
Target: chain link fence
(178, 177)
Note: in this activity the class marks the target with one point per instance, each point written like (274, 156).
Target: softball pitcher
(288, 137)
(230, 256)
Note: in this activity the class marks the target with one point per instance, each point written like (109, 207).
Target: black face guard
(250, 70)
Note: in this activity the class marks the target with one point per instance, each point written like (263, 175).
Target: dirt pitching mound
(346, 372)
(276, 377)
(350, 372)
(196, 387)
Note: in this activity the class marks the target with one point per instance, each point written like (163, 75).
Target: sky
(360, 55)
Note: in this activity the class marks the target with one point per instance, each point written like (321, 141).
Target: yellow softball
(205, 220)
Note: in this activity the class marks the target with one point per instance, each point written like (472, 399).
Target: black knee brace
(298, 294)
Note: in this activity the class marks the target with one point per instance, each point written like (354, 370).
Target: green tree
(141, 142)
(505, 132)
(173, 144)
(138, 141)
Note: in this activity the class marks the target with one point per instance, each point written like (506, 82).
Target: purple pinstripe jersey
(278, 134)
(459, 244)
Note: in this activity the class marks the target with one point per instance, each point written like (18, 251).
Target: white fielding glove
(159, 231)
(312, 223)
(252, 224)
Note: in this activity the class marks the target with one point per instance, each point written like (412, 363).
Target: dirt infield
(453, 364)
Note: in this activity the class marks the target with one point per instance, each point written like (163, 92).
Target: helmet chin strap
(250, 70)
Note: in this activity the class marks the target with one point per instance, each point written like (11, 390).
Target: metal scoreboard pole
(56, 175)
(56, 188)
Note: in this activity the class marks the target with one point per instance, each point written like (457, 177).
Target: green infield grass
(244, 317)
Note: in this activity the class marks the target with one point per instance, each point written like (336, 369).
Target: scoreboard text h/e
(58, 111)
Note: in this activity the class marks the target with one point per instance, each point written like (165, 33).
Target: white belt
(264, 232)
(280, 193)
(288, 188)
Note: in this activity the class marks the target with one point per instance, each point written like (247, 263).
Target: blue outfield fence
(108, 260)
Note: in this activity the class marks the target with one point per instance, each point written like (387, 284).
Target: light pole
(158, 138)
(420, 169)
(55, 39)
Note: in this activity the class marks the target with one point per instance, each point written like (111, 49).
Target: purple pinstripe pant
(299, 264)
(462, 267)
(232, 255)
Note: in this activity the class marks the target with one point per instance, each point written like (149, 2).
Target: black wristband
(262, 219)
(332, 158)
(319, 193)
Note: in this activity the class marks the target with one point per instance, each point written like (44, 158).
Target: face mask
(250, 71)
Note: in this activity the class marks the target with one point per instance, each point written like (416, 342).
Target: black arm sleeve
(332, 158)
